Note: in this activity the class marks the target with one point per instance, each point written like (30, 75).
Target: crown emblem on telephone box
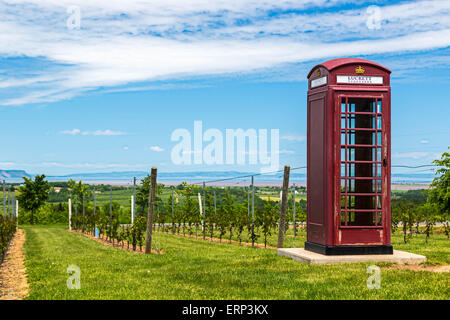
(360, 70)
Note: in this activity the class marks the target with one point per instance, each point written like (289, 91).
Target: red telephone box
(349, 147)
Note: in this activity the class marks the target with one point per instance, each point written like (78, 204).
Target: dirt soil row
(13, 279)
(418, 267)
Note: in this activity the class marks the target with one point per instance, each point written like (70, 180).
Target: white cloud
(71, 132)
(156, 149)
(106, 132)
(413, 155)
(256, 152)
(436, 155)
(286, 152)
(125, 148)
(297, 138)
(7, 164)
(424, 141)
(137, 41)
(416, 155)
(87, 165)
(76, 165)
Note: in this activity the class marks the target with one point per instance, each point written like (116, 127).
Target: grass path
(197, 269)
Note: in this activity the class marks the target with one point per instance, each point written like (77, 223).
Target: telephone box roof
(334, 63)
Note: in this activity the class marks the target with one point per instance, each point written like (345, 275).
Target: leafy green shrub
(49, 213)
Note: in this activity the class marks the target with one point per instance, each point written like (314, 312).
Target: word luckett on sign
(360, 79)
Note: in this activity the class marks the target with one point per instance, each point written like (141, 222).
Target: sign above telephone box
(318, 82)
(359, 79)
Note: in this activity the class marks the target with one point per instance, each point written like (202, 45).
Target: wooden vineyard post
(173, 215)
(70, 214)
(204, 211)
(253, 211)
(77, 226)
(84, 219)
(133, 229)
(248, 202)
(4, 200)
(295, 223)
(9, 201)
(134, 201)
(151, 208)
(94, 212)
(283, 207)
(13, 213)
(110, 212)
(215, 215)
(17, 213)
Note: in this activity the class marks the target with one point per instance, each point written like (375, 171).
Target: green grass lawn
(197, 269)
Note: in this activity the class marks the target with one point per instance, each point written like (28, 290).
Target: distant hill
(296, 177)
(126, 175)
(215, 175)
(13, 174)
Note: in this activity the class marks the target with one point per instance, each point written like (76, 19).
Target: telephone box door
(361, 142)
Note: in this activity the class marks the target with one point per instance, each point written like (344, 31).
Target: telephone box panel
(348, 178)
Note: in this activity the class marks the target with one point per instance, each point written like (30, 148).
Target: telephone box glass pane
(361, 141)
(377, 188)
(377, 156)
(343, 125)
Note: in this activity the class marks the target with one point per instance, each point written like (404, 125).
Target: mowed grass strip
(197, 269)
(437, 250)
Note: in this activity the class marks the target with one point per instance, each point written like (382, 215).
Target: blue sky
(107, 96)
